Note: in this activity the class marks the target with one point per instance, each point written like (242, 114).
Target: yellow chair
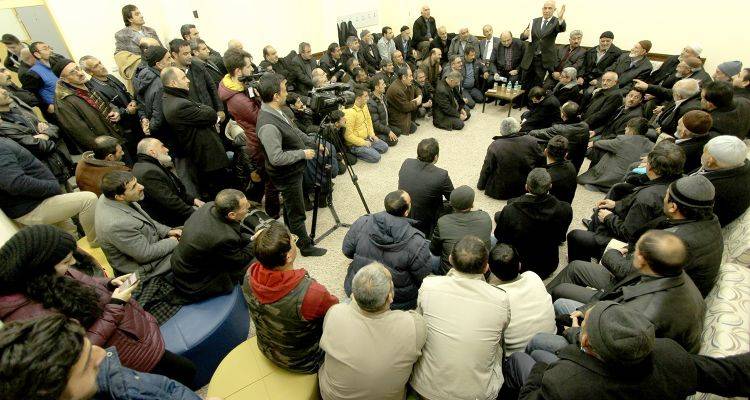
(246, 374)
(98, 255)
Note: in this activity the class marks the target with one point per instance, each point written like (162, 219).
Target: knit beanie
(59, 66)
(646, 44)
(33, 250)
(154, 54)
(696, 47)
(462, 198)
(694, 191)
(607, 34)
(730, 68)
(727, 150)
(619, 335)
(697, 121)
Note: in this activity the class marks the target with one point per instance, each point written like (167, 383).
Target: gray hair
(509, 126)
(350, 40)
(168, 75)
(576, 32)
(570, 72)
(145, 145)
(686, 87)
(371, 286)
(454, 75)
(82, 61)
(538, 181)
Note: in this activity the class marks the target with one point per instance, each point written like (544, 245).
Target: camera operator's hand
(255, 177)
(427, 105)
(309, 154)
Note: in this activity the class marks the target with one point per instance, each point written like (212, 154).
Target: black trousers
(535, 74)
(575, 279)
(176, 367)
(582, 245)
(294, 208)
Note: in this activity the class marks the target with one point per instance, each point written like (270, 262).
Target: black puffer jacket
(148, 94)
(396, 243)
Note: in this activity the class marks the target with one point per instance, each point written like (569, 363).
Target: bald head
(660, 253)
(609, 80)
(506, 38)
(235, 44)
(425, 11)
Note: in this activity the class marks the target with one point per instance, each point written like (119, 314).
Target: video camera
(325, 99)
(251, 81)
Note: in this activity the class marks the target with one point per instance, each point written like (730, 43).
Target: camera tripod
(320, 163)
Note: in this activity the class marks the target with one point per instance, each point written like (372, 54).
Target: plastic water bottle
(503, 88)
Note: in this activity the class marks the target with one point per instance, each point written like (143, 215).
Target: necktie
(544, 24)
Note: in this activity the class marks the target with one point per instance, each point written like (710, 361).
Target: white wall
(89, 25)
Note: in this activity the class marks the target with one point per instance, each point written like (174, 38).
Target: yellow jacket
(358, 125)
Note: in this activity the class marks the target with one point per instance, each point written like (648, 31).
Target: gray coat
(132, 240)
(621, 152)
(127, 39)
(455, 47)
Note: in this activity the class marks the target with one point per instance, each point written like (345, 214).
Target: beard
(165, 160)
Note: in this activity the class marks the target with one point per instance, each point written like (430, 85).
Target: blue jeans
(370, 154)
(542, 346)
(566, 306)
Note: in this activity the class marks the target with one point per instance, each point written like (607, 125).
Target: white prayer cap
(696, 47)
(728, 151)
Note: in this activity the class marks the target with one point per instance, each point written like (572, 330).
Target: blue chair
(205, 332)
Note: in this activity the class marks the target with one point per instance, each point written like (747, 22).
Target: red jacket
(270, 285)
(129, 328)
(245, 111)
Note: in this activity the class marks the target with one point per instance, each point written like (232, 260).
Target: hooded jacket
(245, 111)
(395, 242)
(535, 226)
(148, 93)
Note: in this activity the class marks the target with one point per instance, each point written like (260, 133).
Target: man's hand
(580, 81)
(648, 97)
(415, 54)
(42, 127)
(113, 117)
(574, 317)
(592, 134)
(117, 282)
(556, 76)
(41, 136)
(640, 85)
(126, 294)
(323, 150)
(428, 104)
(623, 250)
(309, 154)
(198, 202)
(602, 214)
(51, 108)
(486, 75)
(175, 233)
(593, 82)
(418, 100)
(132, 108)
(561, 13)
(145, 125)
(463, 115)
(513, 72)
(658, 110)
(392, 136)
(606, 203)
(221, 115)
(255, 177)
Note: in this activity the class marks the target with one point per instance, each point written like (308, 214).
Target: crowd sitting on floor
(175, 154)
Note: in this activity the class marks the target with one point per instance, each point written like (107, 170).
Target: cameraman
(243, 104)
(286, 150)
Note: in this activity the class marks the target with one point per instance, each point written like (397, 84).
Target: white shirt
(530, 309)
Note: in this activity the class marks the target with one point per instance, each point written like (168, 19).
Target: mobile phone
(132, 279)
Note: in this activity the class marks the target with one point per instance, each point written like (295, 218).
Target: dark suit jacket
(626, 73)
(508, 161)
(369, 57)
(211, 257)
(518, 48)
(445, 106)
(427, 185)
(564, 184)
(495, 43)
(601, 106)
(667, 69)
(419, 31)
(400, 47)
(574, 58)
(166, 199)
(669, 116)
(542, 115)
(594, 70)
(202, 87)
(544, 41)
(733, 120)
(616, 125)
(732, 197)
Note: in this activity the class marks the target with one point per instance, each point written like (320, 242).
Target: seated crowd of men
(174, 160)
